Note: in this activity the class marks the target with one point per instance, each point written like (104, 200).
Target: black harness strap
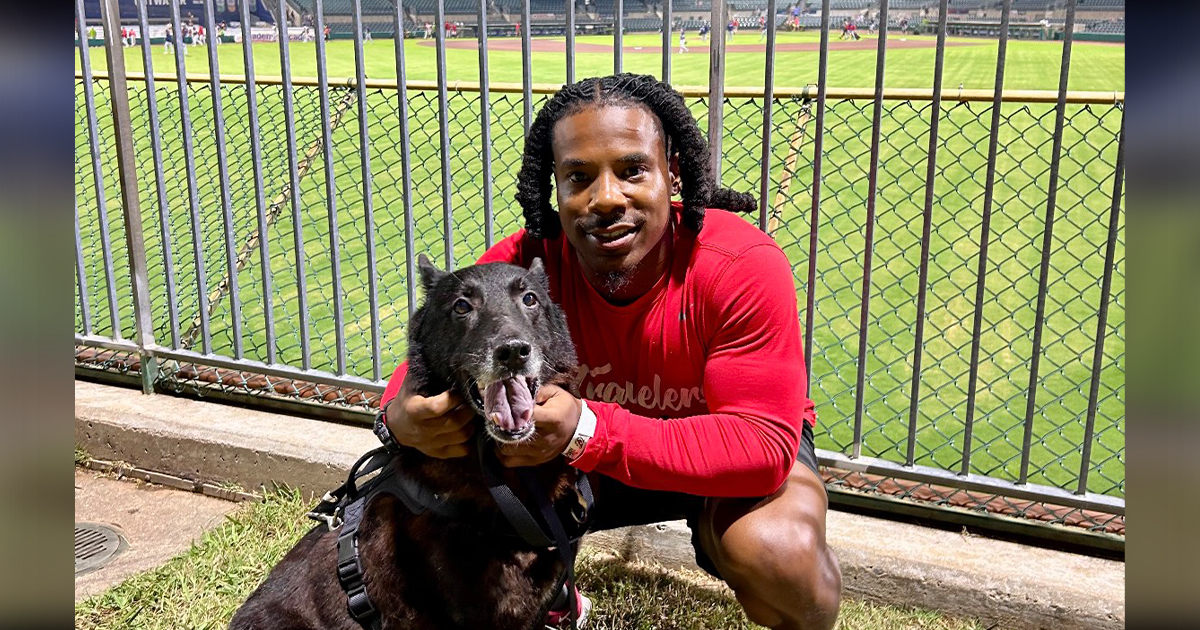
(342, 510)
(566, 549)
(512, 508)
(350, 570)
(527, 526)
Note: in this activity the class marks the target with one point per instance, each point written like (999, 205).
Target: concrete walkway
(1003, 584)
(157, 523)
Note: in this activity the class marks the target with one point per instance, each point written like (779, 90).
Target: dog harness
(342, 510)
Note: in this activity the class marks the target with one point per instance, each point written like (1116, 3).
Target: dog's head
(492, 333)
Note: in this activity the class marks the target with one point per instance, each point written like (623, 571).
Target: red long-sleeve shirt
(697, 386)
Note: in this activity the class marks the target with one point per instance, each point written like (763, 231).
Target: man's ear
(430, 275)
(537, 273)
(673, 169)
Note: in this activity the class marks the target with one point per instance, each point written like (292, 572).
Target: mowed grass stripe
(1031, 65)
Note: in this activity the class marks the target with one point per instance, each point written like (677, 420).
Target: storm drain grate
(95, 546)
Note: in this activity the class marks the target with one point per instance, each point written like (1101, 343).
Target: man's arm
(754, 385)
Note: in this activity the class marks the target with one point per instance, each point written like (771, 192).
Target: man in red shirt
(685, 322)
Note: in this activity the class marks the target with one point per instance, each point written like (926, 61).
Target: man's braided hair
(681, 135)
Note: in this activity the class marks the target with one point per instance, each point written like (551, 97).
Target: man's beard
(613, 281)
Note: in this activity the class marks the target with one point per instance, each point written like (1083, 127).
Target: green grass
(201, 588)
(1014, 247)
(1030, 65)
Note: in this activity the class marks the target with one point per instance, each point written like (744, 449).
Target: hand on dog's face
(493, 335)
(439, 426)
(555, 415)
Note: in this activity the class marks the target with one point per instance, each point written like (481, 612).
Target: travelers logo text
(647, 397)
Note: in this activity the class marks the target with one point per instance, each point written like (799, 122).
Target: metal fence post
(935, 116)
(260, 204)
(984, 237)
(667, 24)
(768, 102)
(127, 176)
(570, 41)
(1102, 320)
(444, 127)
(1060, 116)
(810, 305)
(864, 311)
(485, 128)
(156, 146)
(410, 267)
(618, 37)
(89, 99)
(716, 87)
(364, 149)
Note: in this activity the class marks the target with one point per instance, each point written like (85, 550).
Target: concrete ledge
(1003, 584)
(212, 442)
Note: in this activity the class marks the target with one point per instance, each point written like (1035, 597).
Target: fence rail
(1074, 97)
(963, 280)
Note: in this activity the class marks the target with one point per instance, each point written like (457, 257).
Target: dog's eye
(462, 307)
(529, 299)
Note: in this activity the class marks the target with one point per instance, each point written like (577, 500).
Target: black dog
(491, 333)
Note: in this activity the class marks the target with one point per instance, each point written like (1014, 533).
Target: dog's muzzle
(507, 407)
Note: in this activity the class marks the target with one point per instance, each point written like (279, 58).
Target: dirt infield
(512, 44)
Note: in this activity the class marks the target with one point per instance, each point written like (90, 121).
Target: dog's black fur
(424, 572)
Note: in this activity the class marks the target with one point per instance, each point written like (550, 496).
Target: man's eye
(462, 307)
(576, 177)
(529, 299)
(634, 171)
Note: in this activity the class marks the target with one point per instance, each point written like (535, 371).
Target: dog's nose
(513, 354)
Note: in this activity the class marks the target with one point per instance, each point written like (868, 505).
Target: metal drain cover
(95, 546)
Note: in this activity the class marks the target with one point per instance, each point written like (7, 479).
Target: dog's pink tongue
(509, 403)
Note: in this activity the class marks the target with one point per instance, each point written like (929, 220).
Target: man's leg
(772, 553)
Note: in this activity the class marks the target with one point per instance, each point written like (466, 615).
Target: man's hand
(556, 414)
(440, 426)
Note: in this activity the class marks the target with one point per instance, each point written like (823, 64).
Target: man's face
(614, 186)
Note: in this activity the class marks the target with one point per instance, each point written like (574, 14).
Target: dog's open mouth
(507, 406)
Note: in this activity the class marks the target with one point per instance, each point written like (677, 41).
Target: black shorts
(619, 505)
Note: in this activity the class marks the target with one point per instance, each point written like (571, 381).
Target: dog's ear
(430, 275)
(537, 273)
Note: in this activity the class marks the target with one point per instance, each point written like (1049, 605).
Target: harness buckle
(579, 510)
(332, 521)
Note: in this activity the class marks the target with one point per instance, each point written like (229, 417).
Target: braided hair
(681, 135)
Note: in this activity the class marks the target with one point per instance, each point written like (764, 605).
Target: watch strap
(584, 430)
(384, 434)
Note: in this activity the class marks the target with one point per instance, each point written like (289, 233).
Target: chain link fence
(193, 251)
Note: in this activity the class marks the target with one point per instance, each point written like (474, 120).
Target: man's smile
(613, 238)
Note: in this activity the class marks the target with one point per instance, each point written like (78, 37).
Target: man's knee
(782, 572)
(774, 551)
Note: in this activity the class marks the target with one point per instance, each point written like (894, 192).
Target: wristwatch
(384, 434)
(584, 431)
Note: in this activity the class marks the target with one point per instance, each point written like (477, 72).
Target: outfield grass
(1031, 65)
(1014, 248)
(200, 589)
